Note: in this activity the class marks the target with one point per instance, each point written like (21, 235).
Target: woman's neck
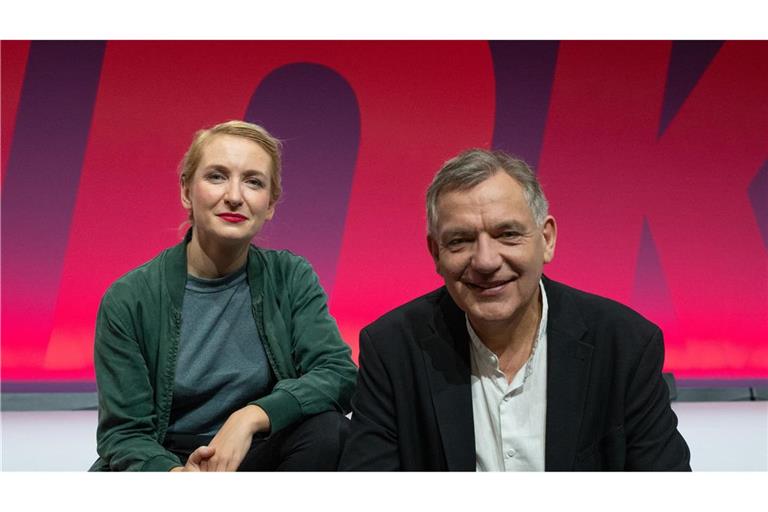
(210, 259)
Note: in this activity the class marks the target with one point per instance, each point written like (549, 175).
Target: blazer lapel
(446, 358)
(568, 363)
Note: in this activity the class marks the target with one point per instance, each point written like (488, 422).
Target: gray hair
(472, 167)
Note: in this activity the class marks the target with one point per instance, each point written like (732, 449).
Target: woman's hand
(200, 455)
(233, 440)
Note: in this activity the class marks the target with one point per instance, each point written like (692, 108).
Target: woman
(217, 355)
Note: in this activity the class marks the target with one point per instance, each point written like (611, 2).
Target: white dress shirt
(510, 417)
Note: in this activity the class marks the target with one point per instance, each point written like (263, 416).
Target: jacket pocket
(606, 454)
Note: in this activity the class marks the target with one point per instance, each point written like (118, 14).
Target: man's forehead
(501, 199)
(499, 182)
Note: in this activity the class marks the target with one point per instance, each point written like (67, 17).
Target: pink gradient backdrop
(660, 221)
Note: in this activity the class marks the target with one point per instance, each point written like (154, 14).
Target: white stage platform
(723, 436)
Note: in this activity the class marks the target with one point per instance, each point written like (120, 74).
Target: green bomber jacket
(137, 339)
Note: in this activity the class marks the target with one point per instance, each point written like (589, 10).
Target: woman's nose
(233, 196)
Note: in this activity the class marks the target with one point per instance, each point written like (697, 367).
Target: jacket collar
(176, 272)
(446, 357)
(568, 362)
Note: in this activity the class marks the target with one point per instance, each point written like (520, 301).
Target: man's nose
(486, 258)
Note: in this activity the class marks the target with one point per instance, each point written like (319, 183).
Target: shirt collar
(488, 359)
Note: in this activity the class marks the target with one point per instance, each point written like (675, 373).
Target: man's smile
(488, 287)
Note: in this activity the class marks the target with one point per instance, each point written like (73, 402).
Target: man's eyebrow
(452, 232)
(512, 224)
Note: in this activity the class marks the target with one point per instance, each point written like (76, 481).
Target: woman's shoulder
(282, 270)
(145, 280)
(280, 260)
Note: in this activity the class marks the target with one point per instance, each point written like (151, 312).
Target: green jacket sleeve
(127, 430)
(322, 360)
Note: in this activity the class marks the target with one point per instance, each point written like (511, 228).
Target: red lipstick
(232, 217)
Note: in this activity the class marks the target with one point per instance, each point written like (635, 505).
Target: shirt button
(510, 453)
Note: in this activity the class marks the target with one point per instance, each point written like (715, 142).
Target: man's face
(490, 251)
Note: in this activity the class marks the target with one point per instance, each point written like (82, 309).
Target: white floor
(48, 440)
(723, 436)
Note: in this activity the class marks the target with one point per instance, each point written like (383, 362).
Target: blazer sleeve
(322, 360)
(373, 443)
(653, 441)
(127, 428)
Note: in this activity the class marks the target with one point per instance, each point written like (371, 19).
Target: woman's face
(229, 193)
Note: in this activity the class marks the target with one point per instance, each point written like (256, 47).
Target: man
(503, 369)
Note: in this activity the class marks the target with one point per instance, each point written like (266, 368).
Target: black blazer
(607, 404)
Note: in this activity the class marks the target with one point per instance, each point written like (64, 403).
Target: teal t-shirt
(221, 364)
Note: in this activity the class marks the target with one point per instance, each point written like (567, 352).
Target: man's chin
(491, 315)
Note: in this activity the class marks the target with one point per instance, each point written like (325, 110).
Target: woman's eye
(255, 183)
(215, 177)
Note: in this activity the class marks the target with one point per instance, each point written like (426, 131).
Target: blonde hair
(250, 131)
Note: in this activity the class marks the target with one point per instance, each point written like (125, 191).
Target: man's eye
(511, 234)
(455, 242)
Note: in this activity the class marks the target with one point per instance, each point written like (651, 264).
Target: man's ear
(434, 250)
(549, 232)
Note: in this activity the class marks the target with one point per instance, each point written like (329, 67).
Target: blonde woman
(218, 355)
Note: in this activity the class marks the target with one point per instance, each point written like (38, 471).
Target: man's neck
(210, 260)
(512, 339)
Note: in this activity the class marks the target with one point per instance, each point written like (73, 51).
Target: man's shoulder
(594, 309)
(416, 314)
(401, 334)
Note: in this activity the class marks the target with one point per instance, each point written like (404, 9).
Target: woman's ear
(186, 202)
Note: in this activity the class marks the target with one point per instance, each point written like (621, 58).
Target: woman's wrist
(256, 418)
